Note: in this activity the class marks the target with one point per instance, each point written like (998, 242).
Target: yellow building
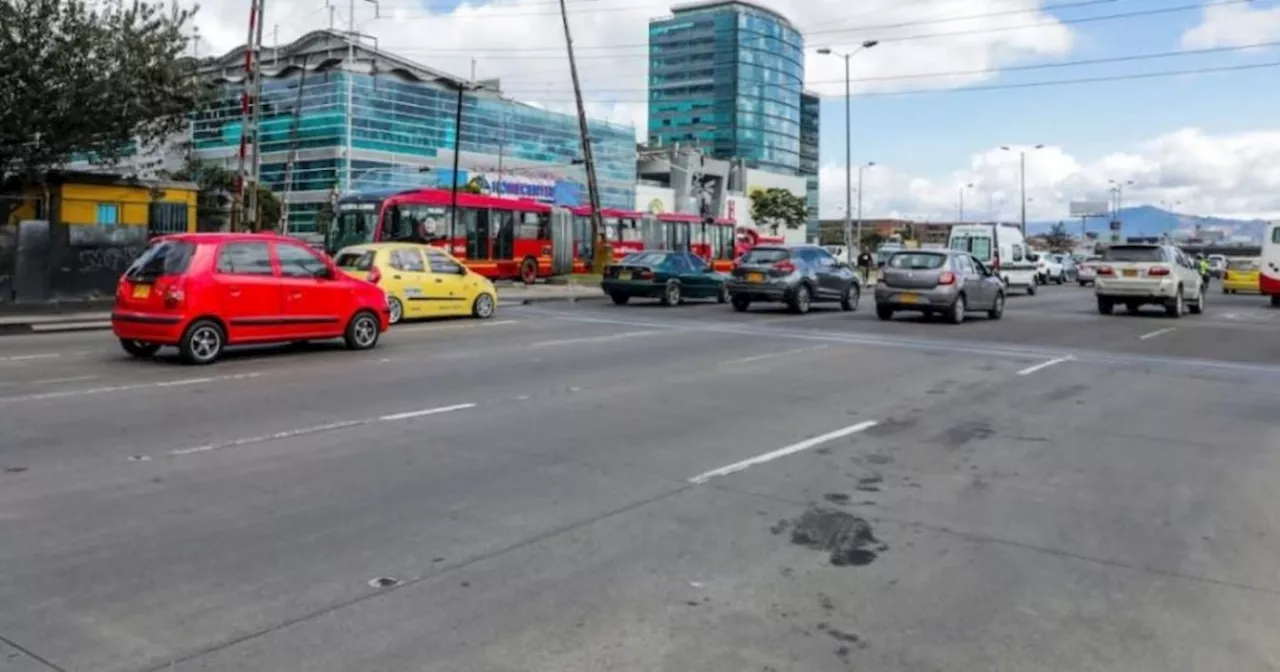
(105, 207)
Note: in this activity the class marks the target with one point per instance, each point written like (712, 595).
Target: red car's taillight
(173, 297)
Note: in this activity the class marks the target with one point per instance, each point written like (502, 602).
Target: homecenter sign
(548, 189)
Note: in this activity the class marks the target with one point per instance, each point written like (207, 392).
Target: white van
(1269, 268)
(1000, 246)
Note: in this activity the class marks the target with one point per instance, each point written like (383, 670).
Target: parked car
(1242, 275)
(938, 282)
(1136, 274)
(670, 277)
(797, 275)
(420, 280)
(1087, 270)
(202, 292)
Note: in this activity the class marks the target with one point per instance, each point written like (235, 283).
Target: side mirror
(325, 273)
(462, 270)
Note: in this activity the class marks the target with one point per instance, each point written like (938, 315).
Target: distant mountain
(1148, 220)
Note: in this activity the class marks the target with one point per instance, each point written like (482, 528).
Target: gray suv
(797, 275)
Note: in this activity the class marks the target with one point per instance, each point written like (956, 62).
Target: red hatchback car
(204, 291)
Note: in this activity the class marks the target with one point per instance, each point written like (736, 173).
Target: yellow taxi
(1240, 275)
(420, 280)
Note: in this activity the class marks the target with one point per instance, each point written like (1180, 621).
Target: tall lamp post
(1022, 182)
(1117, 187)
(857, 241)
(962, 188)
(848, 140)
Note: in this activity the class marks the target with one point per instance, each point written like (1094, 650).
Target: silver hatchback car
(938, 282)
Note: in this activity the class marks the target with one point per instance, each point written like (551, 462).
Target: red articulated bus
(499, 238)
(506, 238)
(748, 238)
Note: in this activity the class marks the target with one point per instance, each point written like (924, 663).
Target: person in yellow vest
(1203, 264)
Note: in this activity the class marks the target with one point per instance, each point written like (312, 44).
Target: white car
(1136, 275)
(1087, 270)
(1048, 269)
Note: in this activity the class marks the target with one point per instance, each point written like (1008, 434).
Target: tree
(1058, 238)
(94, 79)
(217, 184)
(872, 239)
(775, 207)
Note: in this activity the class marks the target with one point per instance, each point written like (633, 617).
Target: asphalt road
(573, 487)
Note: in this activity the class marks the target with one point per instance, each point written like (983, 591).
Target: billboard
(1089, 208)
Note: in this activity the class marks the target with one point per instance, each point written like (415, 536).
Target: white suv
(1049, 269)
(1136, 275)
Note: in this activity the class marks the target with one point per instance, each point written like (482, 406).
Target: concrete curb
(528, 301)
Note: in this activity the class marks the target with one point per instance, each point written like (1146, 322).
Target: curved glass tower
(727, 76)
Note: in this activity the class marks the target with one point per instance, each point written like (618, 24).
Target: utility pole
(1022, 180)
(593, 189)
(237, 207)
(254, 216)
(849, 242)
(351, 86)
(857, 241)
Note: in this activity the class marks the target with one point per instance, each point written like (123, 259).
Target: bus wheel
(529, 270)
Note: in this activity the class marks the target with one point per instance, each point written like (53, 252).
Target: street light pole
(848, 141)
(1022, 182)
(962, 188)
(858, 238)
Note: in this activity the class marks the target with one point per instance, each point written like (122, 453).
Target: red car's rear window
(169, 257)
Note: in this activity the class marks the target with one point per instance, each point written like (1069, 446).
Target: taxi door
(407, 279)
(451, 285)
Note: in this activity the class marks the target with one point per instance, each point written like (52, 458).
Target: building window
(166, 218)
(108, 214)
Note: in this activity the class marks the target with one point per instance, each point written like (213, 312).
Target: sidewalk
(88, 316)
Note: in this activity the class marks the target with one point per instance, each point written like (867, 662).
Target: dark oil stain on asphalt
(14, 470)
(965, 432)
(837, 498)
(876, 458)
(848, 539)
(1064, 393)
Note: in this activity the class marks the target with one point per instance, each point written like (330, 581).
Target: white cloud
(1229, 175)
(1233, 25)
(522, 41)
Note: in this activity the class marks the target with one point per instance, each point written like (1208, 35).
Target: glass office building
(401, 119)
(810, 160)
(727, 76)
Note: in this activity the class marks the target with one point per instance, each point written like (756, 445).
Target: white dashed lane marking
(317, 429)
(783, 452)
(182, 382)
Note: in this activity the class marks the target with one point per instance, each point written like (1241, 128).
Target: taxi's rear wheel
(362, 331)
(139, 349)
(396, 308)
(202, 343)
(483, 307)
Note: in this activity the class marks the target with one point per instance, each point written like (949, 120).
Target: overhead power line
(1128, 58)
(522, 53)
(608, 100)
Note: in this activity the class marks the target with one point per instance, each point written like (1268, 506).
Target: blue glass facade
(399, 123)
(810, 160)
(728, 77)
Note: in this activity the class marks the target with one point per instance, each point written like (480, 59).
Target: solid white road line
(773, 355)
(595, 339)
(316, 429)
(437, 327)
(54, 381)
(125, 388)
(1044, 365)
(41, 355)
(783, 452)
(1155, 333)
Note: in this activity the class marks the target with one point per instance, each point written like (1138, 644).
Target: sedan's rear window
(355, 261)
(645, 259)
(169, 257)
(765, 255)
(1134, 253)
(917, 261)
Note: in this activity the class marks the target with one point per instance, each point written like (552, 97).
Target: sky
(1173, 99)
